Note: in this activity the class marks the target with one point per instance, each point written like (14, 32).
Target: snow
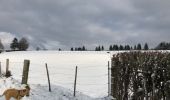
(92, 77)
(40, 92)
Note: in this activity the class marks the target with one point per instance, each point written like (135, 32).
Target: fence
(89, 79)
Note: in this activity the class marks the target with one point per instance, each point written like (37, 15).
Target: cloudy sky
(54, 24)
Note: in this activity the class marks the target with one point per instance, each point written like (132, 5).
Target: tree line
(115, 47)
(78, 48)
(16, 45)
(23, 45)
(128, 47)
(163, 46)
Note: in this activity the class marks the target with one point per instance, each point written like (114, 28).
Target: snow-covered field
(92, 77)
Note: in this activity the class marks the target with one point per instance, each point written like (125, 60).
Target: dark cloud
(56, 24)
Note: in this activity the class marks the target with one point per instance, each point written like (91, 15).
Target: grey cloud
(65, 23)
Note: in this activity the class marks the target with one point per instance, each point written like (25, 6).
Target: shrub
(139, 75)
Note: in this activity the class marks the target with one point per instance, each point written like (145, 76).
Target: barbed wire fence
(86, 76)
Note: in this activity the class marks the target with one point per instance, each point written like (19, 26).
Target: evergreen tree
(131, 48)
(116, 47)
(121, 47)
(102, 48)
(99, 48)
(14, 45)
(79, 49)
(146, 46)
(1, 46)
(110, 48)
(163, 46)
(83, 48)
(135, 48)
(23, 44)
(72, 49)
(139, 47)
(127, 47)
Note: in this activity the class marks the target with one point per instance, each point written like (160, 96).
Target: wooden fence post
(75, 82)
(48, 77)
(7, 66)
(25, 71)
